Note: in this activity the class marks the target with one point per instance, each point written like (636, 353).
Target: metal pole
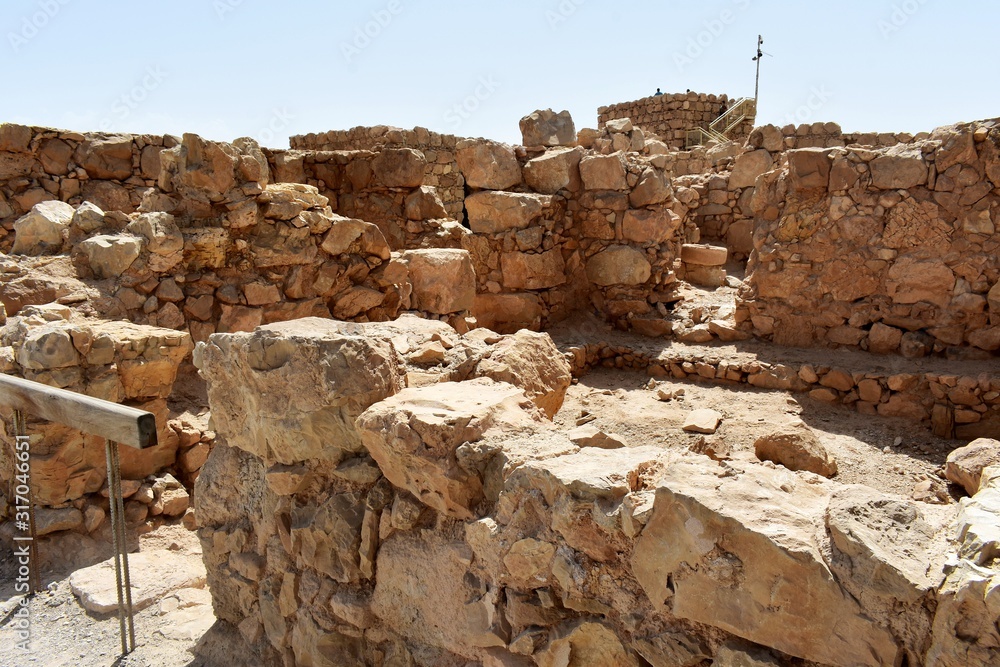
(123, 545)
(116, 520)
(760, 56)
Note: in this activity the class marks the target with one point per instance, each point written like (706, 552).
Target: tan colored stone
(424, 203)
(110, 256)
(154, 574)
(488, 165)
(531, 271)
(748, 167)
(591, 436)
(704, 420)
(531, 362)
(400, 167)
(547, 128)
(704, 255)
(556, 170)
(507, 313)
(164, 240)
(618, 265)
(900, 168)
(796, 447)
(965, 465)
(495, 212)
(41, 231)
(585, 644)
(809, 168)
(107, 157)
(443, 280)
(753, 569)
(653, 188)
(603, 172)
(413, 437)
(650, 226)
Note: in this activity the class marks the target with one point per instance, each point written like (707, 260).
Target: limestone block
(164, 240)
(653, 188)
(796, 447)
(753, 569)
(348, 235)
(88, 218)
(488, 165)
(557, 169)
(965, 465)
(400, 168)
(290, 392)
(110, 256)
(206, 167)
(748, 167)
(603, 172)
(414, 435)
(41, 230)
(154, 575)
(107, 157)
(531, 362)
(424, 203)
(704, 420)
(443, 280)
(494, 212)
(619, 265)
(900, 168)
(547, 128)
(533, 270)
(650, 226)
(809, 168)
(585, 644)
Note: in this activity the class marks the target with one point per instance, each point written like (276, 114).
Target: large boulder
(205, 168)
(653, 188)
(400, 168)
(443, 279)
(110, 256)
(424, 203)
(531, 271)
(495, 212)
(164, 240)
(531, 362)
(107, 157)
(650, 225)
(900, 168)
(965, 465)
(488, 165)
(748, 167)
(41, 231)
(603, 172)
(796, 447)
(739, 550)
(315, 374)
(414, 437)
(547, 128)
(507, 313)
(809, 168)
(553, 171)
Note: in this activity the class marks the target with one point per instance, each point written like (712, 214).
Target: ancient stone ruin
(593, 400)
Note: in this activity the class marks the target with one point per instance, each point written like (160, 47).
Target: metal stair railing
(720, 128)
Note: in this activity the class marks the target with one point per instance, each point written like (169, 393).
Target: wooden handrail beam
(118, 423)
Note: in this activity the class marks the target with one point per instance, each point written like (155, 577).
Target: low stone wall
(42, 164)
(826, 135)
(671, 115)
(889, 249)
(441, 172)
(510, 542)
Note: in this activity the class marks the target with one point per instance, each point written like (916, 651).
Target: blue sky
(230, 68)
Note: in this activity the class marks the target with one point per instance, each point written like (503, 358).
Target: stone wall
(565, 226)
(671, 115)
(439, 150)
(41, 164)
(510, 541)
(889, 249)
(828, 135)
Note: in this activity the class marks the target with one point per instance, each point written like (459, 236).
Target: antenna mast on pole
(757, 59)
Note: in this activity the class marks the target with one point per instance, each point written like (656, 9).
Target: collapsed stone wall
(441, 171)
(828, 135)
(888, 249)
(406, 540)
(41, 164)
(671, 115)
